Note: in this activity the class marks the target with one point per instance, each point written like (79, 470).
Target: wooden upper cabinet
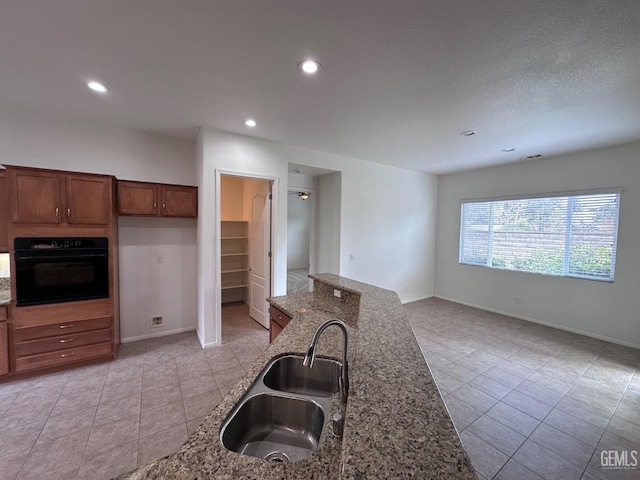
(4, 214)
(137, 198)
(49, 197)
(89, 199)
(155, 199)
(34, 196)
(179, 201)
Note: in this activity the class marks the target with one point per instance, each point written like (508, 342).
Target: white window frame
(571, 197)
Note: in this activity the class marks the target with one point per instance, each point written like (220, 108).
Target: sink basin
(287, 374)
(276, 428)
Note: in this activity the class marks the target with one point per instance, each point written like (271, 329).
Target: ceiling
(399, 81)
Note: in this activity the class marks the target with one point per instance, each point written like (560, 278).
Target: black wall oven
(52, 270)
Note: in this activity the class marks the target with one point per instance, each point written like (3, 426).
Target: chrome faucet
(344, 372)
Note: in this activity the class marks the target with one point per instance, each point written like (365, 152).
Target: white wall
(50, 141)
(328, 225)
(163, 251)
(603, 310)
(299, 215)
(387, 217)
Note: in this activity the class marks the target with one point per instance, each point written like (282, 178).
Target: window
(571, 235)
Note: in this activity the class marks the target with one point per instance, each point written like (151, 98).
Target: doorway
(245, 259)
(300, 238)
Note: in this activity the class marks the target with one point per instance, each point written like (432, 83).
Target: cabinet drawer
(62, 357)
(279, 317)
(3, 313)
(64, 328)
(64, 342)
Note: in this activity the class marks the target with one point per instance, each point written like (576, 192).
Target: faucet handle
(337, 424)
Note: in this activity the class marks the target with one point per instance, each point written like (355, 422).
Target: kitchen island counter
(396, 424)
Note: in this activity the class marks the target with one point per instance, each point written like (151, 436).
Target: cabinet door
(179, 201)
(4, 349)
(88, 200)
(4, 216)
(137, 198)
(34, 196)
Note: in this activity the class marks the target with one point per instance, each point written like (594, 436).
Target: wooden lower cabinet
(62, 357)
(278, 320)
(4, 349)
(61, 343)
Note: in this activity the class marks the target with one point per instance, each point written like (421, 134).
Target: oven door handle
(60, 257)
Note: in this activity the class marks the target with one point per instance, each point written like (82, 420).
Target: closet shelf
(228, 287)
(235, 270)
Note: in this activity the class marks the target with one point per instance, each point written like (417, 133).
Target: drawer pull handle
(67, 340)
(68, 325)
(64, 355)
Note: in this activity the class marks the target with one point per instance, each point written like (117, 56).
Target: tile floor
(100, 421)
(529, 401)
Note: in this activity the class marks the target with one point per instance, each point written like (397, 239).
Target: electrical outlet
(159, 259)
(337, 293)
(157, 321)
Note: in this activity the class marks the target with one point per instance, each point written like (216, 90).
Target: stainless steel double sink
(284, 413)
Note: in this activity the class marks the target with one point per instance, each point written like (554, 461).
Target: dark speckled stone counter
(5, 291)
(396, 425)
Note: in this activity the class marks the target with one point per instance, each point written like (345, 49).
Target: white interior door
(260, 260)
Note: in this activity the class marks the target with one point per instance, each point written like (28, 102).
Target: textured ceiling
(400, 79)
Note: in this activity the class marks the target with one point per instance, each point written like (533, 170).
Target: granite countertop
(396, 424)
(5, 291)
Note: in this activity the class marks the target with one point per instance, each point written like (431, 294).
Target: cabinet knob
(68, 213)
(64, 355)
(155, 205)
(57, 212)
(164, 205)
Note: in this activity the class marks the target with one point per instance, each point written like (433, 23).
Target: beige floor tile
(485, 459)
(228, 376)
(161, 396)
(527, 404)
(512, 470)
(109, 463)
(574, 426)
(201, 405)
(115, 410)
(545, 463)
(69, 424)
(48, 459)
(513, 418)
(198, 385)
(498, 435)
(11, 464)
(161, 418)
(111, 435)
(153, 447)
(18, 441)
(461, 413)
(474, 397)
(192, 425)
(567, 447)
(124, 389)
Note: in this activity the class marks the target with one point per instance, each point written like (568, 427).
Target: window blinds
(568, 235)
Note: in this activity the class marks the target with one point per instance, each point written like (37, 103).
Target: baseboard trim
(416, 299)
(541, 322)
(155, 335)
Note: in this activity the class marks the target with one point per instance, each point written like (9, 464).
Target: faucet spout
(310, 357)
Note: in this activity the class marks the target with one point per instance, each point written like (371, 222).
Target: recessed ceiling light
(97, 87)
(510, 149)
(309, 67)
(468, 133)
(250, 122)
